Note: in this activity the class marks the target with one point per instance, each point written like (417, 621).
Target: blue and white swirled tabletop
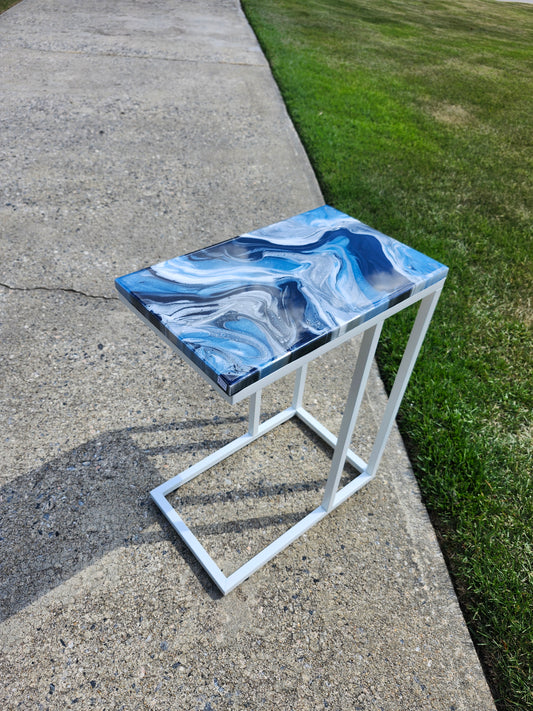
(243, 308)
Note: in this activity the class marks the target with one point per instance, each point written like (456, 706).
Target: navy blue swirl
(244, 307)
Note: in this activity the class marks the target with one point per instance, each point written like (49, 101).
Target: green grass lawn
(418, 119)
(5, 4)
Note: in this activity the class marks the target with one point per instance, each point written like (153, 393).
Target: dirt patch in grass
(451, 114)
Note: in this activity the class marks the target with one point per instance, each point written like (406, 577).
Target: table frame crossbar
(342, 454)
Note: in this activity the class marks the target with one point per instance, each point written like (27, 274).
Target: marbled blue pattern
(245, 307)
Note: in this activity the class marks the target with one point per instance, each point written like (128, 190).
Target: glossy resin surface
(243, 308)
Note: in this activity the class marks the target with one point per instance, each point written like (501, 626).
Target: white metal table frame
(333, 496)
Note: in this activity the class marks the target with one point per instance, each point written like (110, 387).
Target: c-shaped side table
(250, 310)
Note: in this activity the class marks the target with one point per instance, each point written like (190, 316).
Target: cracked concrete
(133, 132)
(63, 289)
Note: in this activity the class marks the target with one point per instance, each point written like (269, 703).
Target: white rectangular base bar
(333, 496)
(226, 584)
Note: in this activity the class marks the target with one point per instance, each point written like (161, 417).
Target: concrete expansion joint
(67, 290)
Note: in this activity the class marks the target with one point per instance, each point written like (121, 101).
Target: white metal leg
(351, 410)
(299, 386)
(418, 332)
(333, 496)
(254, 417)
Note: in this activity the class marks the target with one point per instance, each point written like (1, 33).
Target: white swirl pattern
(245, 307)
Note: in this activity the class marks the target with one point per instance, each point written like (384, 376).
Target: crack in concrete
(156, 57)
(63, 289)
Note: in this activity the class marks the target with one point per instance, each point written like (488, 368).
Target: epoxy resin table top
(243, 308)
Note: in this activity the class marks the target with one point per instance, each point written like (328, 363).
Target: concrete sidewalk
(132, 132)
